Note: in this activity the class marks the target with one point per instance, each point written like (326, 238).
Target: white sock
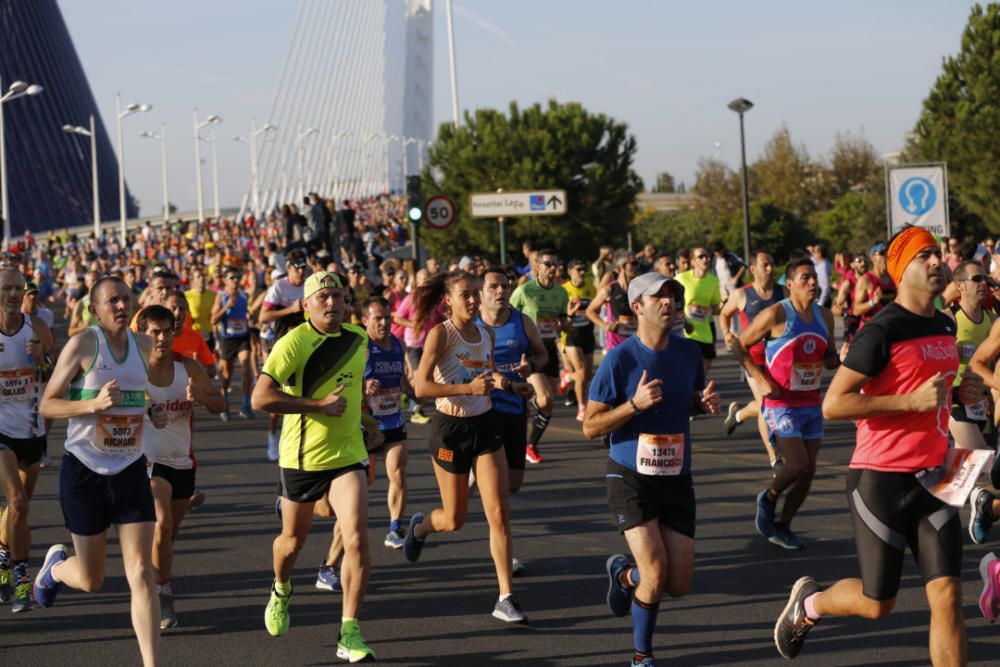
(739, 420)
(504, 597)
(272, 439)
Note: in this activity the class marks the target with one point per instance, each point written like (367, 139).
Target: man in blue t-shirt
(650, 491)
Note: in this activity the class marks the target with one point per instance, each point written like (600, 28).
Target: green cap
(319, 281)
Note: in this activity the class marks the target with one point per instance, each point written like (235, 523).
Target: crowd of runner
(299, 317)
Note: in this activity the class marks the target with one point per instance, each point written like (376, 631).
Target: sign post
(917, 194)
(501, 205)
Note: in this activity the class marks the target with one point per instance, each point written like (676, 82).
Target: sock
(4, 557)
(164, 587)
(633, 576)
(772, 496)
(739, 419)
(283, 588)
(394, 524)
(810, 605)
(21, 572)
(643, 624)
(541, 423)
(272, 439)
(504, 597)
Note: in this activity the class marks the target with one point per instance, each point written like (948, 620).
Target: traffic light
(414, 198)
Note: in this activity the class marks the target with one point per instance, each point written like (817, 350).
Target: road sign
(918, 195)
(440, 211)
(518, 203)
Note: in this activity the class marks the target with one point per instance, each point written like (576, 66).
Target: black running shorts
(635, 499)
(229, 348)
(455, 442)
(308, 486)
(581, 337)
(551, 368)
(890, 511)
(514, 433)
(91, 502)
(181, 480)
(27, 450)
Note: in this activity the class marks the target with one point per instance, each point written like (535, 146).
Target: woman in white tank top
(457, 371)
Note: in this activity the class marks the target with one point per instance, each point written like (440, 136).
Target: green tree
(771, 228)
(960, 120)
(853, 163)
(664, 183)
(559, 146)
(672, 230)
(718, 187)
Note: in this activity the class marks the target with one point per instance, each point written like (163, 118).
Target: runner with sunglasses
(702, 301)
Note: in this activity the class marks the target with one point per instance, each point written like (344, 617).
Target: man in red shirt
(896, 382)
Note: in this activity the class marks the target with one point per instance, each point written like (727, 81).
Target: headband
(904, 248)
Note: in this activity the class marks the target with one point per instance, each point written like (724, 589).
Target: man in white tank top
(24, 342)
(99, 385)
(176, 383)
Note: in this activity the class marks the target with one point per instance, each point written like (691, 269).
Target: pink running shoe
(989, 570)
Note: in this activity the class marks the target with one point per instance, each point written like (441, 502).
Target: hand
(334, 404)
(930, 395)
(647, 394)
(372, 387)
(971, 389)
(767, 386)
(876, 295)
(524, 368)
(158, 415)
(574, 305)
(34, 349)
(731, 340)
(612, 327)
(711, 402)
(189, 392)
(482, 385)
(109, 396)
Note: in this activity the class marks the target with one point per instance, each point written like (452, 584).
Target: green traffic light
(416, 213)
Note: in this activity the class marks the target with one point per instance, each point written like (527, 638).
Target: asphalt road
(437, 611)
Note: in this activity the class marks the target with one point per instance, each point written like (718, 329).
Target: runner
(82, 316)
(465, 433)
(201, 299)
(230, 314)
(546, 302)
(314, 376)
(874, 289)
(415, 339)
(32, 307)
(578, 338)
(175, 383)
(748, 302)
(702, 301)
(799, 343)
(24, 343)
(896, 383)
(99, 385)
(619, 322)
(844, 304)
(642, 396)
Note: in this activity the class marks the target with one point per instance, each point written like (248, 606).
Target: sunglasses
(549, 263)
(701, 256)
(978, 278)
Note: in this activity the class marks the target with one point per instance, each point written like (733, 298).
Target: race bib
(119, 435)
(236, 327)
(966, 351)
(661, 455)
(977, 411)
(806, 376)
(473, 368)
(697, 313)
(17, 385)
(385, 402)
(626, 325)
(548, 327)
(953, 481)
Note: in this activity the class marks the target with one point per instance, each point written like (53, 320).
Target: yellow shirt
(200, 305)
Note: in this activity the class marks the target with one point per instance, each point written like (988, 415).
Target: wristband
(635, 407)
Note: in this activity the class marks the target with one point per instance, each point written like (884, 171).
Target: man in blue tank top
(229, 314)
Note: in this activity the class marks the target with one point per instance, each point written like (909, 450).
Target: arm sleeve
(869, 351)
(516, 299)
(280, 363)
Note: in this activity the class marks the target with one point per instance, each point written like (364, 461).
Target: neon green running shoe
(352, 646)
(276, 617)
(22, 598)
(6, 585)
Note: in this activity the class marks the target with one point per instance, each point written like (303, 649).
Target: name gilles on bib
(660, 455)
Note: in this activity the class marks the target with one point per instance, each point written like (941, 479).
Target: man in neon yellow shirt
(702, 302)
(314, 376)
(200, 299)
(578, 337)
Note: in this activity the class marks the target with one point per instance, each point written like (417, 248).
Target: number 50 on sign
(439, 211)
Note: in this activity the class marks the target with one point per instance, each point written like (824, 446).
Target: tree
(771, 228)
(853, 162)
(664, 183)
(560, 146)
(782, 174)
(672, 230)
(718, 187)
(960, 120)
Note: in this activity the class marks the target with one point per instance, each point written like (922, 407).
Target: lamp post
(119, 115)
(741, 105)
(255, 186)
(215, 176)
(162, 138)
(300, 149)
(76, 129)
(16, 90)
(211, 120)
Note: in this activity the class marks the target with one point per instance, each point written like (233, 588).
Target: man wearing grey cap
(650, 490)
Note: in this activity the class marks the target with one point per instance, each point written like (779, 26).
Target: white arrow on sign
(440, 211)
(518, 203)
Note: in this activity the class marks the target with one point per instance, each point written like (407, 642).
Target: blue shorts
(804, 423)
(91, 502)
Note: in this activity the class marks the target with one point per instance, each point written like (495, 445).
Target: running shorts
(455, 442)
(391, 436)
(229, 348)
(181, 480)
(805, 423)
(890, 511)
(308, 486)
(514, 434)
(581, 337)
(27, 450)
(91, 502)
(707, 350)
(635, 499)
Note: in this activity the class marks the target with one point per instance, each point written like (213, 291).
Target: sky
(666, 69)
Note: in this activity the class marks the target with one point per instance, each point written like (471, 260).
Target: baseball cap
(650, 283)
(465, 263)
(319, 281)
(277, 274)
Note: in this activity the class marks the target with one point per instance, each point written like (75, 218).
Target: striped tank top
(461, 363)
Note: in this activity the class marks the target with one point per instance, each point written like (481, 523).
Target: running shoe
(168, 619)
(516, 567)
(531, 454)
(581, 413)
(22, 598)
(981, 518)
(411, 545)
(619, 597)
(989, 599)
(570, 400)
(785, 538)
(351, 646)
(225, 416)
(730, 422)
(246, 413)
(508, 610)
(419, 417)
(276, 616)
(45, 461)
(46, 587)
(792, 627)
(197, 500)
(565, 380)
(648, 661)
(6, 583)
(764, 521)
(394, 539)
(328, 579)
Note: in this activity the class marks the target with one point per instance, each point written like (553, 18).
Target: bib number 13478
(661, 455)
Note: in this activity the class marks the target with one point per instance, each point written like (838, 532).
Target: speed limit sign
(440, 211)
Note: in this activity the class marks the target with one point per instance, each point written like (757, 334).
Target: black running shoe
(792, 627)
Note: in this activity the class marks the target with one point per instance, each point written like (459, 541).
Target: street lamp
(119, 115)
(333, 162)
(82, 131)
(211, 120)
(162, 138)
(741, 105)
(300, 149)
(254, 133)
(16, 90)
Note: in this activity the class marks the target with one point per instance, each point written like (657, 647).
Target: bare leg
(395, 469)
(296, 519)
(797, 492)
(491, 477)
(137, 544)
(349, 497)
(947, 635)
(454, 489)
(163, 535)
